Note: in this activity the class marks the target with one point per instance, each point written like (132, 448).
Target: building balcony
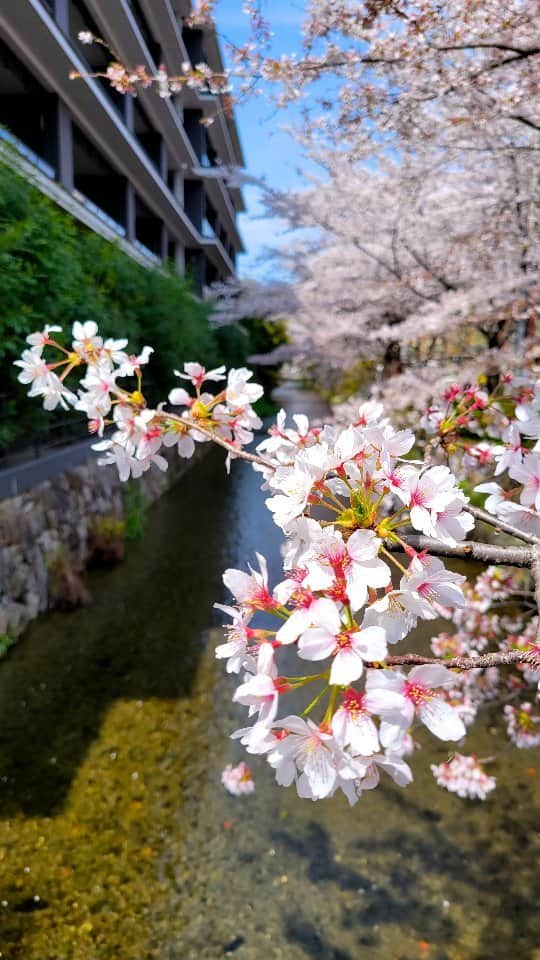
(27, 153)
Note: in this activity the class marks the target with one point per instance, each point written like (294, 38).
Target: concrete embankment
(46, 526)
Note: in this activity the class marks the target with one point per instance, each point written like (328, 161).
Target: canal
(117, 839)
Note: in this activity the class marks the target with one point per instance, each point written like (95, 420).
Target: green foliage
(265, 335)
(55, 271)
(134, 515)
(6, 642)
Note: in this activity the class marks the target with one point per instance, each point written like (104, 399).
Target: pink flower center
(353, 703)
(426, 590)
(302, 598)
(343, 640)
(418, 498)
(261, 599)
(417, 693)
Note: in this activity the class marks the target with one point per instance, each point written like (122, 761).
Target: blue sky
(271, 153)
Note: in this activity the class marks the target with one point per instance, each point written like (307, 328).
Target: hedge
(53, 270)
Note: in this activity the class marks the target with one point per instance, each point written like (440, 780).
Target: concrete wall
(53, 518)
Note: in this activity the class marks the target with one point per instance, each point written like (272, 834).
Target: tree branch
(530, 657)
(502, 525)
(236, 452)
(469, 550)
(535, 570)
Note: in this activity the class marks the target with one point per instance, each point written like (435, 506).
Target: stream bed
(117, 839)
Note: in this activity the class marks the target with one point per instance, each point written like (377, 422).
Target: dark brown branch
(468, 663)
(496, 45)
(525, 120)
(469, 550)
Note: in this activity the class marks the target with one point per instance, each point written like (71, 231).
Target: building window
(28, 111)
(97, 182)
(146, 32)
(148, 229)
(147, 135)
(94, 55)
(193, 41)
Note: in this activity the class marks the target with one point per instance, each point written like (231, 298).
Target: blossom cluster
(139, 433)
(496, 433)
(128, 81)
(338, 609)
(507, 628)
(465, 776)
(238, 780)
(346, 499)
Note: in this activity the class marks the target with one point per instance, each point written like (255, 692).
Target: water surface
(118, 841)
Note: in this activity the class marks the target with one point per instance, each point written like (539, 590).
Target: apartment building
(140, 170)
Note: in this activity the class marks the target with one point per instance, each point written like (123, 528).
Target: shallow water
(118, 841)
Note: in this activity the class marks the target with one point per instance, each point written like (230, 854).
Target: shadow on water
(141, 638)
(483, 863)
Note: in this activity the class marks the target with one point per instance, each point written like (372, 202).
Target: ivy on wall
(53, 270)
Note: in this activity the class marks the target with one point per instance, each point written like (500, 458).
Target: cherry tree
(424, 219)
(428, 135)
(405, 250)
(359, 573)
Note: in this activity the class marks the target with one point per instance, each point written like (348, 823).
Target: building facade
(142, 170)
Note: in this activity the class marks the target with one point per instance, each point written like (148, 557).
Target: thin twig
(502, 525)
(226, 444)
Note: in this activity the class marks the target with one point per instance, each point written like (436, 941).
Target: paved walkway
(23, 476)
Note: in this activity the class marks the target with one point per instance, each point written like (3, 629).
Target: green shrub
(55, 271)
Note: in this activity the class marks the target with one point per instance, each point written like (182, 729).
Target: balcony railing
(207, 230)
(99, 213)
(27, 153)
(147, 252)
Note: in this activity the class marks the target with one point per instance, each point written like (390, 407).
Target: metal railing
(99, 213)
(27, 153)
(41, 443)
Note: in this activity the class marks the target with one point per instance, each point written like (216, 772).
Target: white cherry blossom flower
(528, 474)
(307, 755)
(391, 615)
(33, 368)
(239, 392)
(512, 453)
(352, 723)
(417, 700)
(38, 340)
(260, 692)
(86, 340)
(354, 564)
(53, 391)
(131, 364)
(348, 647)
(197, 374)
(428, 583)
(182, 440)
(235, 650)
(251, 589)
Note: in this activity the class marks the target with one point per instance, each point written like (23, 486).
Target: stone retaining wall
(53, 519)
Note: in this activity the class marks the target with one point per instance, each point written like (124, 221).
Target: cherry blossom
(349, 648)
(417, 700)
(349, 497)
(238, 780)
(465, 776)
